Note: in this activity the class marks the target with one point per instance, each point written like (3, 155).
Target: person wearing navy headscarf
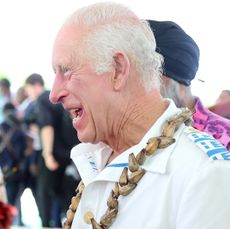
(181, 61)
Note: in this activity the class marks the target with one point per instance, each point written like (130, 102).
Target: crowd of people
(151, 154)
(36, 137)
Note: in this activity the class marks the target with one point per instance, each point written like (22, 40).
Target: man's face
(81, 91)
(3, 91)
(30, 91)
(33, 90)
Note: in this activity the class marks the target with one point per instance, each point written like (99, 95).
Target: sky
(28, 29)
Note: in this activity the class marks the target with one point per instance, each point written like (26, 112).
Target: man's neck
(135, 128)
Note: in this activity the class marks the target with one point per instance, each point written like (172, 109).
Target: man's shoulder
(44, 95)
(196, 152)
(43, 101)
(206, 144)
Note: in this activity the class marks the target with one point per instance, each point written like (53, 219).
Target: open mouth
(77, 113)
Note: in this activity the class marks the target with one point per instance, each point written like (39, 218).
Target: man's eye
(65, 69)
(67, 72)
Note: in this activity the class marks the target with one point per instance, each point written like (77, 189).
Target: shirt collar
(90, 159)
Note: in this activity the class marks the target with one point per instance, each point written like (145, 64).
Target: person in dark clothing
(33, 151)
(5, 95)
(57, 138)
(12, 154)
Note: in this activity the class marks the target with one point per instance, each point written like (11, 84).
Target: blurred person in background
(3, 195)
(21, 102)
(12, 156)
(57, 137)
(5, 95)
(181, 61)
(222, 105)
(7, 211)
(26, 116)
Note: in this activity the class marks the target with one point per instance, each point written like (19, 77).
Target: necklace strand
(130, 175)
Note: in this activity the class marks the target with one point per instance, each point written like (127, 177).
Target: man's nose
(52, 96)
(57, 92)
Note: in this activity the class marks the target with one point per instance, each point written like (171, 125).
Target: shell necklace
(130, 175)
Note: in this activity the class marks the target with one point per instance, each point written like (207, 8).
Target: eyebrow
(60, 68)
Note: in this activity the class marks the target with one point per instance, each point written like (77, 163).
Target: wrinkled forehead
(67, 43)
(70, 32)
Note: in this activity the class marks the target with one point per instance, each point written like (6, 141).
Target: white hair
(176, 91)
(112, 27)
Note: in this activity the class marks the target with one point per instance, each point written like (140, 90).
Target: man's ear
(121, 73)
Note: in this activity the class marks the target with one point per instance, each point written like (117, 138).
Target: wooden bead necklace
(130, 175)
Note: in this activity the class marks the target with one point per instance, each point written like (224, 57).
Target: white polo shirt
(186, 185)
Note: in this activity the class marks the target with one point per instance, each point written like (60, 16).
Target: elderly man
(181, 61)
(141, 166)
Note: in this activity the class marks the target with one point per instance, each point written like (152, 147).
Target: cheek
(82, 89)
(74, 87)
(91, 92)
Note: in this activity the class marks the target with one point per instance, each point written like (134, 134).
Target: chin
(86, 138)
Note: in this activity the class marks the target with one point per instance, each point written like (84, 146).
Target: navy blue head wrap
(180, 52)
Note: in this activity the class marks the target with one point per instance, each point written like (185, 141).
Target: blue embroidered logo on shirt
(118, 165)
(210, 146)
(92, 163)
